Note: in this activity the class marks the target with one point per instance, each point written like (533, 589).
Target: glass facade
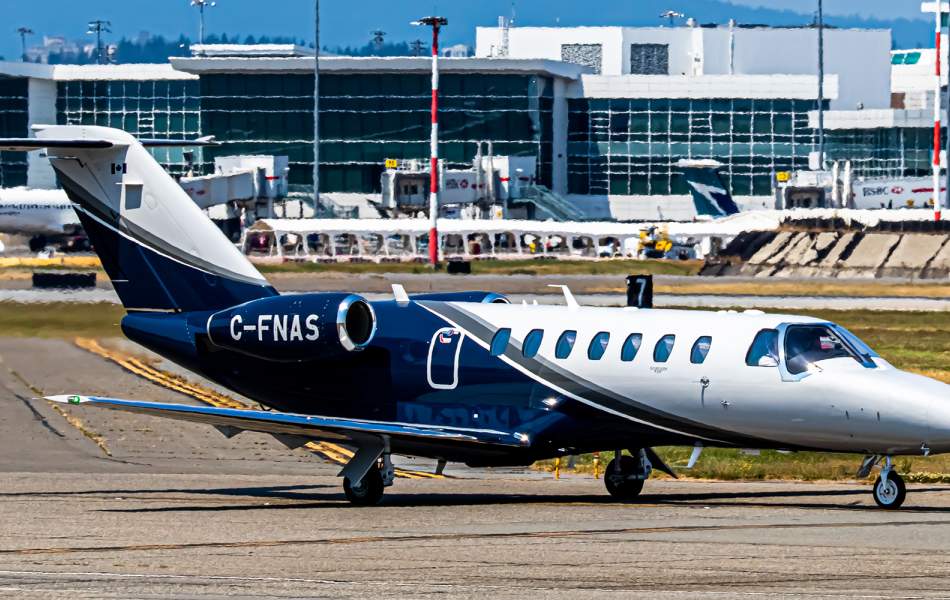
(367, 118)
(14, 122)
(163, 109)
(631, 146)
(905, 152)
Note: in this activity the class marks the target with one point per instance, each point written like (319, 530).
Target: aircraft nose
(934, 396)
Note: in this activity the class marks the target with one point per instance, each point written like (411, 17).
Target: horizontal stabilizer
(308, 426)
(30, 144)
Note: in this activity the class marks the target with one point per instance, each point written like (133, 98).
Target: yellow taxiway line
(331, 452)
(78, 262)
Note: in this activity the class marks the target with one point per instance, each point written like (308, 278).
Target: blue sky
(342, 27)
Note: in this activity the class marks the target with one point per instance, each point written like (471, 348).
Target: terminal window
(14, 122)
(649, 59)
(626, 146)
(367, 118)
(589, 55)
(162, 109)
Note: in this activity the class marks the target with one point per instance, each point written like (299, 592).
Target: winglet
(68, 399)
(568, 296)
(399, 293)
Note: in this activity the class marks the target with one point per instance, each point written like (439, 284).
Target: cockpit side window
(764, 349)
(809, 344)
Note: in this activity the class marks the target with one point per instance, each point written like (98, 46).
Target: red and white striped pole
(436, 23)
(936, 162)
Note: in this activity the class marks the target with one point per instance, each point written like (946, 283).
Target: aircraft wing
(232, 421)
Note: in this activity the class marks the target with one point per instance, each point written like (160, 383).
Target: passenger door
(443, 362)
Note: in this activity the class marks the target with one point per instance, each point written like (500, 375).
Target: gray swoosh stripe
(592, 392)
(104, 213)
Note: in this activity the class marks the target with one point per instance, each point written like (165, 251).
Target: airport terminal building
(607, 112)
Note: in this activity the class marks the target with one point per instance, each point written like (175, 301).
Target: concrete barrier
(915, 251)
(872, 251)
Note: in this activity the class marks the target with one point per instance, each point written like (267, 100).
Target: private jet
(469, 377)
(47, 216)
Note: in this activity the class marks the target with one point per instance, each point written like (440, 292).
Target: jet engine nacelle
(295, 327)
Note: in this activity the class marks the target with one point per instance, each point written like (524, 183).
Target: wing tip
(67, 399)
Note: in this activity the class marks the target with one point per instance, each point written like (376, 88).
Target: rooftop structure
(606, 112)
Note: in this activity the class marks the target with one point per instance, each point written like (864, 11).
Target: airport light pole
(24, 31)
(316, 107)
(436, 23)
(97, 27)
(201, 4)
(821, 87)
(939, 9)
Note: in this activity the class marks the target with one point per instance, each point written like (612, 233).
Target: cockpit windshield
(806, 345)
(863, 349)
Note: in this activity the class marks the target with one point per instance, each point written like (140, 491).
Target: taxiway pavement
(126, 506)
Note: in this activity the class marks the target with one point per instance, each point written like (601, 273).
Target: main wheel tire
(890, 495)
(620, 486)
(37, 243)
(368, 492)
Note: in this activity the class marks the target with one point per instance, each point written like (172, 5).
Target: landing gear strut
(625, 475)
(368, 473)
(889, 489)
(368, 491)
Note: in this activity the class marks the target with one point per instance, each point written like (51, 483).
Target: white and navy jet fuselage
(467, 376)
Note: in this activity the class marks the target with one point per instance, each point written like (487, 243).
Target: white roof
(126, 72)
(249, 50)
(874, 118)
(793, 87)
(371, 64)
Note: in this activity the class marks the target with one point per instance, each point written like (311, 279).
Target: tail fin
(710, 195)
(161, 252)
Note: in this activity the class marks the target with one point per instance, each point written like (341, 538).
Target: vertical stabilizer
(162, 253)
(710, 195)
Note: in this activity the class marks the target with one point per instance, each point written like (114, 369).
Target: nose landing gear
(889, 489)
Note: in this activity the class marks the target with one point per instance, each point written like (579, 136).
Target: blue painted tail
(161, 252)
(710, 195)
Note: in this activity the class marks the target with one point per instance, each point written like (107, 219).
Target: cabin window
(764, 349)
(532, 343)
(663, 348)
(631, 346)
(565, 344)
(500, 341)
(697, 355)
(598, 346)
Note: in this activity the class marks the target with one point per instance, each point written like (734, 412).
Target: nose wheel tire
(619, 484)
(369, 490)
(890, 494)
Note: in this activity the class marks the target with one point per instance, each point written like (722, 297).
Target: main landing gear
(889, 490)
(625, 474)
(368, 473)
